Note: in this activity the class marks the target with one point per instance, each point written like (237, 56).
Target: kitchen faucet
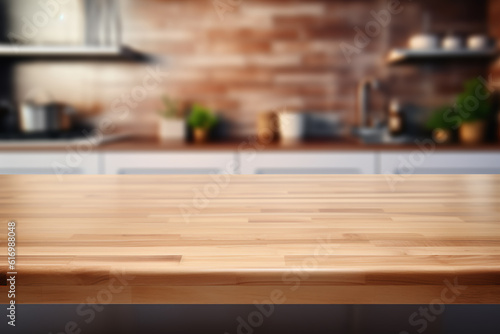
(369, 130)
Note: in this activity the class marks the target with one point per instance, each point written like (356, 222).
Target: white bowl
(478, 42)
(452, 43)
(424, 42)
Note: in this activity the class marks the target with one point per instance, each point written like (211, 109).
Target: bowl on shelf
(452, 43)
(424, 42)
(478, 42)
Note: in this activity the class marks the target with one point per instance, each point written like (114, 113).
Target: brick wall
(494, 31)
(264, 54)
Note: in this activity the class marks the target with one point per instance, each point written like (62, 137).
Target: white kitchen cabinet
(307, 163)
(270, 162)
(432, 162)
(170, 163)
(46, 162)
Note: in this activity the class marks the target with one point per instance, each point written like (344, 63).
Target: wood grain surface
(245, 239)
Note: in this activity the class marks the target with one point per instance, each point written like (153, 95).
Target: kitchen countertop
(153, 145)
(286, 239)
(245, 144)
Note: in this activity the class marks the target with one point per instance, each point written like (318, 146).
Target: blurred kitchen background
(250, 86)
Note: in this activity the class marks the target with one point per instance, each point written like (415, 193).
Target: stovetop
(57, 139)
(45, 136)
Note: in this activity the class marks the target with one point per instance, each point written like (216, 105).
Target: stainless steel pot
(51, 117)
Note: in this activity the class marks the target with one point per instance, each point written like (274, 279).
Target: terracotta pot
(442, 136)
(267, 127)
(200, 135)
(472, 133)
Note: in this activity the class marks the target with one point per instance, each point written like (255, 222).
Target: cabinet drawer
(57, 163)
(170, 163)
(420, 162)
(308, 163)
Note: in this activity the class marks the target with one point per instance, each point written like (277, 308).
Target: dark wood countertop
(235, 145)
(154, 145)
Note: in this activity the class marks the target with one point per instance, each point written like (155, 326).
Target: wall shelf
(397, 56)
(79, 53)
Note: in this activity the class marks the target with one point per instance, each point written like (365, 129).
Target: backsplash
(243, 57)
(494, 31)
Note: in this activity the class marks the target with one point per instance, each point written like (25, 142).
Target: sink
(370, 135)
(379, 135)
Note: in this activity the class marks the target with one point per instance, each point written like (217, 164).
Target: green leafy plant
(201, 117)
(440, 119)
(473, 104)
(170, 108)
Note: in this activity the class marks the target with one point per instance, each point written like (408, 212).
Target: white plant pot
(172, 130)
(291, 126)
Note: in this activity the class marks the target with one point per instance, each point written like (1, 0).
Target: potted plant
(473, 111)
(201, 120)
(440, 125)
(469, 113)
(172, 124)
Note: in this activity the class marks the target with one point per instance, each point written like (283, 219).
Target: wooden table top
(244, 239)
